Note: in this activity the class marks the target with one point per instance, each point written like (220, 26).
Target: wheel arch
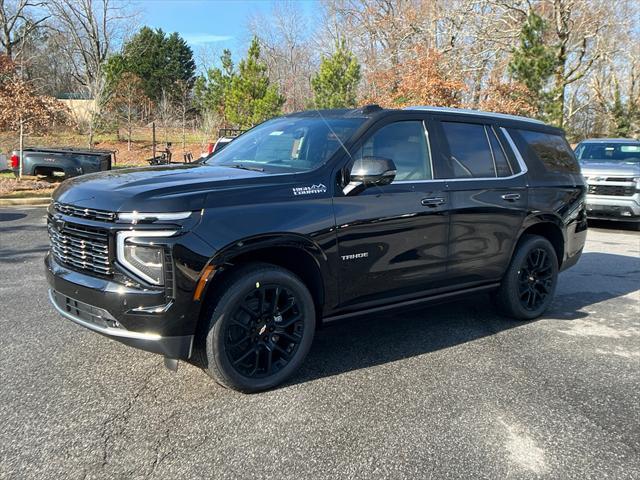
(294, 252)
(549, 227)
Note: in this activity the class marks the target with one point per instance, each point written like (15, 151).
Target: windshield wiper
(245, 167)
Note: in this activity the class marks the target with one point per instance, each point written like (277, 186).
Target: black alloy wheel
(261, 326)
(529, 284)
(265, 332)
(536, 279)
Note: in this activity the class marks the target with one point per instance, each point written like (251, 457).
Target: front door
(393, 239)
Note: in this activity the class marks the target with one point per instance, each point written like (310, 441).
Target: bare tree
(16, 23)
(286, 47)
(91, 29)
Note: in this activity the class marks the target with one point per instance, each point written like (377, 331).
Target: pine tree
(210, 90)
(250, 98)
(533, 63)
(622, 115)
(336, 83)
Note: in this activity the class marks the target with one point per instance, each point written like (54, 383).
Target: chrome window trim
(426, 135)
(495, 134)
(493, 157)
(121, 236)
(516, 152)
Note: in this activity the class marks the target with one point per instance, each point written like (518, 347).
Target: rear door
(393, 239)
(487, 194)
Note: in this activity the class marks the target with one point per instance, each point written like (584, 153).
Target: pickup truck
(611, 168)
(67, 162)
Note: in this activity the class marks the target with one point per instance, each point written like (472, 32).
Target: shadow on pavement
(11, 216)
(378, 339)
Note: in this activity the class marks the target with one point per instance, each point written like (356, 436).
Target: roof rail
(368, 109)
(467, 111)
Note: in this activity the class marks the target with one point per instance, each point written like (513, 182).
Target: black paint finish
(397, 243)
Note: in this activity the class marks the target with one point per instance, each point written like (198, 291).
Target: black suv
(312, 217)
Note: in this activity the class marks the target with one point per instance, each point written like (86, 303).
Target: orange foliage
(418, 80)
(512, 98)
(18, 100)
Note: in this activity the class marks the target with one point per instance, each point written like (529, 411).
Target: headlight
(146, 261)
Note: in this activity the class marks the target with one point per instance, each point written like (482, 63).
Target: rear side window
(470, 154)
(503, 168)
(552, 150)
(475, 151)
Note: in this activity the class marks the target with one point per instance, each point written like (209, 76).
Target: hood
(170, 188)
(617, 169)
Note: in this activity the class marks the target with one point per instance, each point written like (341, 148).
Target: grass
(44, 193)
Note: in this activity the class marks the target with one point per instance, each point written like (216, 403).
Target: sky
(208, 25)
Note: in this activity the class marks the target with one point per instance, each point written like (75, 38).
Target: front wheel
(260, 330)
(529, 284)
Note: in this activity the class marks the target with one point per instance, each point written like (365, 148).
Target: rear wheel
(529, 284)
(260, 330)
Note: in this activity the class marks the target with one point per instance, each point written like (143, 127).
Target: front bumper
(608, 207)
(136, 317)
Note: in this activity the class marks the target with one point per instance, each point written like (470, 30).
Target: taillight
(15, 161)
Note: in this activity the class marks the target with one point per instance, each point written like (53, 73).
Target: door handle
(432, 201)
(511, 197)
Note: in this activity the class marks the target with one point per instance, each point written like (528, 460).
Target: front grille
(620, 179)
(81, 247)
(615, 190)
(88, 213)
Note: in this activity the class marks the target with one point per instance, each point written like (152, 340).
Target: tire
(249, 352)
(528, 286)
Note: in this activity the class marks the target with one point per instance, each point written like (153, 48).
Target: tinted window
(552, 150)
(609, 152)
(405, 143)
(470, 155)
(291, 143)
(503, 168)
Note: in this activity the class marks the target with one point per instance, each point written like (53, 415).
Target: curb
(34, 201)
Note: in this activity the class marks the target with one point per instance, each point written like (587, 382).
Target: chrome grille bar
(81, 247)
(89, 213)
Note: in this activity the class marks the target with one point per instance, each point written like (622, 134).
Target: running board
(407, 303)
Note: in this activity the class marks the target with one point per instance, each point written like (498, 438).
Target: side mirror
(369, 171)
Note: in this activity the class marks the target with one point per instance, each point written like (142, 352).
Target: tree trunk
(21, 147)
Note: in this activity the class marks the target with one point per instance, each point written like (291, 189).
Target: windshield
(609, 152)
(287, 144)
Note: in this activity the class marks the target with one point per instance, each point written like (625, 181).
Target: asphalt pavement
(451, 391)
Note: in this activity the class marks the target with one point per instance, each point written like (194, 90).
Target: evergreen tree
(336, 83)
(250, 98)
(160, 61)
(623, 114)
(532, 63)
(210, 90)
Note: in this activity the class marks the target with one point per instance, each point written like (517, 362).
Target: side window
(405, 143)
(470, 154)
(552, 150)
(503, 168)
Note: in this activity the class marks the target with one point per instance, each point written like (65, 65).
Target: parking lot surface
(449, 391)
